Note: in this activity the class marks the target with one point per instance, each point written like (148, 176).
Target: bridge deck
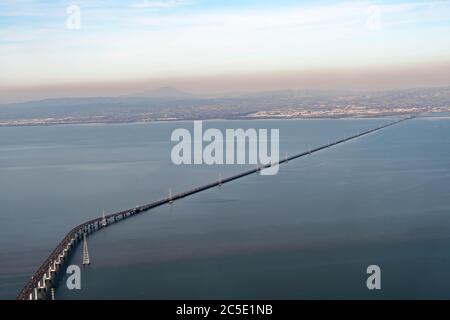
(90, 226)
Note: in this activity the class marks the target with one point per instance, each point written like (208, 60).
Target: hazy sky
(209, 46)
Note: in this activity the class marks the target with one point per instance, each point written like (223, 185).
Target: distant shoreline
(118, 122)
(381, 116)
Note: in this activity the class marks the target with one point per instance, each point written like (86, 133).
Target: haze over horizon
(203, 46)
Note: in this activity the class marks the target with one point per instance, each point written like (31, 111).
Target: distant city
(169, 104)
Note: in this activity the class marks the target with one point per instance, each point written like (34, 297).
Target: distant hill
(153, 101)
(164, 92)
(171, 104)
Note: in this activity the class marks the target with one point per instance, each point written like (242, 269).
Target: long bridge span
(40, 284)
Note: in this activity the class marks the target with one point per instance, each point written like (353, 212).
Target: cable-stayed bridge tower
(86, 260)
(104, 223)
(170, 196)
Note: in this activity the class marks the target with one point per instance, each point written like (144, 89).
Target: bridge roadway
(38, 287)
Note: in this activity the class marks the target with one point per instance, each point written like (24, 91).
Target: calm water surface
(308, 232)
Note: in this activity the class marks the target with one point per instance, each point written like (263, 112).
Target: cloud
(159, 4)
(348, 14)
(148, 39)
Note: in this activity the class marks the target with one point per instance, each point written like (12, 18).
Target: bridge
(40, 285)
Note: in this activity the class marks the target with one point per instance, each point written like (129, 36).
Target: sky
(112, 47)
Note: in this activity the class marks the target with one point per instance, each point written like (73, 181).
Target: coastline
(33, 122)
